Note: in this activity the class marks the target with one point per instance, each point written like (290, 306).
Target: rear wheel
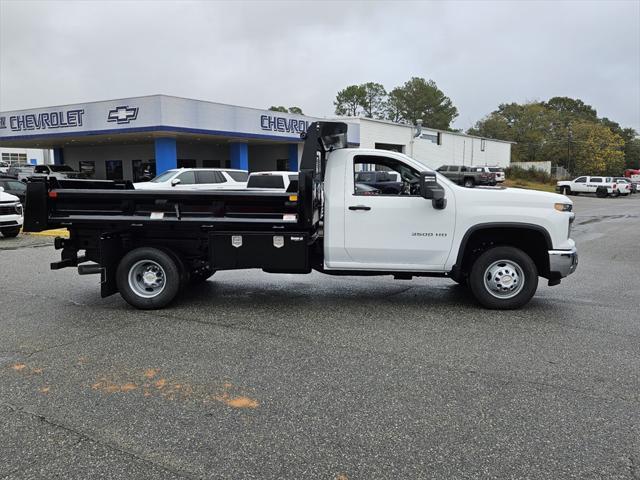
(503, 278)
(10, 232)
(148, 278)
(601, 192)
(469, 183)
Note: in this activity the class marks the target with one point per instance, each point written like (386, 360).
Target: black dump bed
(202, 230)
(117, 205)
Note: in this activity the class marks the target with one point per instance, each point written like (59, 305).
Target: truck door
(395, 231)
(580, 185)
(593, 183)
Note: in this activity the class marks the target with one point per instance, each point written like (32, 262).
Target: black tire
(155, 258)
(565, 191)
(10, 232)
(468, 183)
(527, 278)
(601, 192)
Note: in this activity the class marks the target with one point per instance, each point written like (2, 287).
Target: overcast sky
(267, 53)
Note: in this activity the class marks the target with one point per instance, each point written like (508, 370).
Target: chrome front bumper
(563, 262)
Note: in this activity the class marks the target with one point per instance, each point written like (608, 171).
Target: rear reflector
(53, 194)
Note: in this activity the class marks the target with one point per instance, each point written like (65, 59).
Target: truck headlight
(19, 208)
(563, 207)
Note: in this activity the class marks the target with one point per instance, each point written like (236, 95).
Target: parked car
(20, 172)
(278, 181)
(601, 186)
(197, 179)
(499, 171)
(57, 171)
(633, 186)
(14, 187)
(10, 214)
(387, 182)
(4, 166)
(468, 176)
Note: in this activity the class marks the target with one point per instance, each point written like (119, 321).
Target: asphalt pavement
(261, 376)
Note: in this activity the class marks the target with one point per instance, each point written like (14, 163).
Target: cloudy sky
(301, 53)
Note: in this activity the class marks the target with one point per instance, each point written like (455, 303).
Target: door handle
(359, 207)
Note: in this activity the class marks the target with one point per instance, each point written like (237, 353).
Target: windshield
(60, 168)
(164, 177)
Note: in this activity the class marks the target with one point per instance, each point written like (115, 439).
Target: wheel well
(533, 241)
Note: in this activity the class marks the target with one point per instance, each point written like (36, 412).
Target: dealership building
(132, 138)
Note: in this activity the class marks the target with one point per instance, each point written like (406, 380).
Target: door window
(580, 180)
(41, 169)
(187, 178)
(204, 176)
(409, 184)
(596, 179)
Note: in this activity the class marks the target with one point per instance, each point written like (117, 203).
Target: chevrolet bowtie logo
(122, 114)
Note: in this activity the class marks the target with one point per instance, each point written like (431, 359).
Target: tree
(392, 107)
(419, 99)
(373, 100)
(572, 108)
(598, 150)
(349, 100)
(530, 125)
(296, 110)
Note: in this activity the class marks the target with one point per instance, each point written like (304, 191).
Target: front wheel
(503, 278)
(148, 278)
(565, 191)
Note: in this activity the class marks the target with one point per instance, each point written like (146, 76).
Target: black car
(14, 187)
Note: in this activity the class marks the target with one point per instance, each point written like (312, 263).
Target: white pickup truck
(10, 214)
(601, 186)
(149, 244)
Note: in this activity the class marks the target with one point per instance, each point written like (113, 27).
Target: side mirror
(432, 190)
(175, 182)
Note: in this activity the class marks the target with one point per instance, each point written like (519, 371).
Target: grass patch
(530, 184)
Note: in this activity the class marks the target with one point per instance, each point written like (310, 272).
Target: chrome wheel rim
(147, 278)
(504, 279)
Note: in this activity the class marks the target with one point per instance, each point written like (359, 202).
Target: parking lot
(263, 376)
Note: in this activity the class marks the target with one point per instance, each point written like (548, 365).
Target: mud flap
(110, 255)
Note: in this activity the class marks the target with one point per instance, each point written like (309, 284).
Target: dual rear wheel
(150, 278)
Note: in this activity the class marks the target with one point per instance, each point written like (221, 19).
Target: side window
(187, 178)
(204, 176)
(367, 166)
(596, 179)
(580, 180)
(18, 186)
(41, 169)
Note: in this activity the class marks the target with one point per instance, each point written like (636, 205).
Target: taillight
(615, 185)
